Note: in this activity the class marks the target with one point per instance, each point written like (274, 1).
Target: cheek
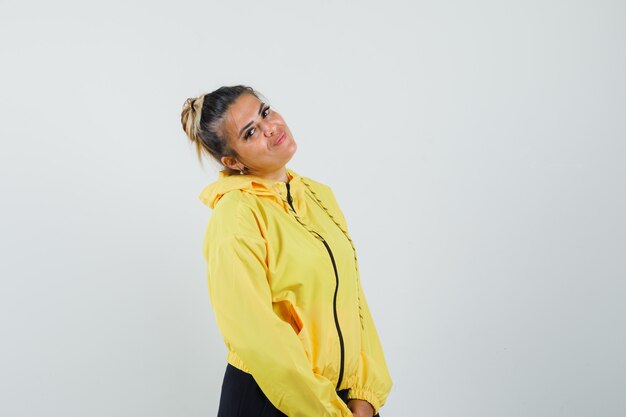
(259, 151)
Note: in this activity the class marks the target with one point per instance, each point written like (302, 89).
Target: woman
(282, 272)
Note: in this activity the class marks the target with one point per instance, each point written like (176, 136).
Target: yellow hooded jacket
(284, 285)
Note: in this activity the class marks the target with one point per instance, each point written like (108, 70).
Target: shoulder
(236, 214)
(321, 189)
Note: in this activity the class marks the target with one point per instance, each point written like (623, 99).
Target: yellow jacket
(284, 285)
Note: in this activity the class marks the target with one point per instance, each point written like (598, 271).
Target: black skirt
(242, 397)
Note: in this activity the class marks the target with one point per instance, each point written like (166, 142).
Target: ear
(232, 163)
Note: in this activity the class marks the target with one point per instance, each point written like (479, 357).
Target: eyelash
(248, 134)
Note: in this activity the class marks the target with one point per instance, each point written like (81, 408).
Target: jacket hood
(253, 184)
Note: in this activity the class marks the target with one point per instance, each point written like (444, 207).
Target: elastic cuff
(361, 394)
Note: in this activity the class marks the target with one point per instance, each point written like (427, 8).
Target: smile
(280, 139)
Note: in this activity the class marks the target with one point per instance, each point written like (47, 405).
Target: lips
(281, 139)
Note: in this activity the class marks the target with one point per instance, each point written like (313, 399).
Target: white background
(478, 150)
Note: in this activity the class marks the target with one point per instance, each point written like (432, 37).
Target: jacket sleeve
(373, 382)
(270, 349)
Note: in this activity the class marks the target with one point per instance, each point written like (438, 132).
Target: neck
(278, 175)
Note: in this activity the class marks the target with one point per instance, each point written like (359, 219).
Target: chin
(291, 153)
(294, 146)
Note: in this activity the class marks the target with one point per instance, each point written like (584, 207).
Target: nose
(268, 128)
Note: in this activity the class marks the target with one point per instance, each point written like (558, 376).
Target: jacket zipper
(332, 259)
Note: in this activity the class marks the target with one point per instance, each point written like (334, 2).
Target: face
(260, 137)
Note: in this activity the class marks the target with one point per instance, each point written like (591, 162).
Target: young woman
(282, 272)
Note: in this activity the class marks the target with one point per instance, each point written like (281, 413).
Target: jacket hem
(236, 361)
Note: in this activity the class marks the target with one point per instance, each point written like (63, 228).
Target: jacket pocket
(288, 313)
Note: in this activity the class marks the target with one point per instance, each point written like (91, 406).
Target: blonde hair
(190, 118)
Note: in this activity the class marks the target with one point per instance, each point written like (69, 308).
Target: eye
(266, 112)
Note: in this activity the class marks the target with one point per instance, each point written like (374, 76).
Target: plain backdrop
(477, 149)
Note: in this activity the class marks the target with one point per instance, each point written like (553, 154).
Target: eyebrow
(249, 124)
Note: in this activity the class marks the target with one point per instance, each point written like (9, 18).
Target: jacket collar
(262, 187)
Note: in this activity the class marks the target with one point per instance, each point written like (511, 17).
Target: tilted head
(237, 128)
